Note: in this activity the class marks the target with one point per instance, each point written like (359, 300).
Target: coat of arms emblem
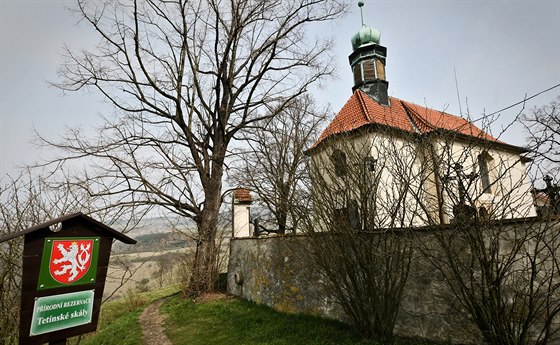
(70, 259)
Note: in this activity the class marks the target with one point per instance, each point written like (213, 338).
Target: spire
(368, 62)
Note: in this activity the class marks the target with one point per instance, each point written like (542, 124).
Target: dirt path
(151, 322)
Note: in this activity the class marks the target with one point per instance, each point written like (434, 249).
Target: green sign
(68, 261)
(56, 312)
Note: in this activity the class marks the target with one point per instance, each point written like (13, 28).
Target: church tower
(368, 62)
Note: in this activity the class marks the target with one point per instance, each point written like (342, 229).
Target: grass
(223, 321)
(124, 331)
(234, 321)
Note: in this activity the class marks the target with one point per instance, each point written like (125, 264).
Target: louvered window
(357, 74)
(380, 69)
(369, 70)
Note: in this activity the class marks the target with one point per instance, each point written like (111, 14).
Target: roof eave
(488, 142)
(119, 236)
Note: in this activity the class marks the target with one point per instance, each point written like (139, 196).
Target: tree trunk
(204, 273)
(205, 266)
(283, 207)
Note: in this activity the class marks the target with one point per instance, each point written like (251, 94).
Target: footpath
(151, 322)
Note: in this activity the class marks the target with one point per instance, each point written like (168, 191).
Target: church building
(386, 162)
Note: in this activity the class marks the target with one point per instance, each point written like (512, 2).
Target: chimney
(241, 212)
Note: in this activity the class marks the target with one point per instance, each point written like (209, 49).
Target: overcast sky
(502, 51)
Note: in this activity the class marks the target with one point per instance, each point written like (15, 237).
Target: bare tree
(185, 77)
(543, 127)
(504, 276)
(275, 164)
(503, 272)
(30, 199)
(500, 267)
(363, 259)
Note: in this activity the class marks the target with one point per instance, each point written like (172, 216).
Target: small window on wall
(348, 217)
(370, 164)
(338, 159)
(484, 165)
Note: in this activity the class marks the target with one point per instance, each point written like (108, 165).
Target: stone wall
(279, 272)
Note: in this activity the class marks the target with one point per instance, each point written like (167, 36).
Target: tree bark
(205, 266)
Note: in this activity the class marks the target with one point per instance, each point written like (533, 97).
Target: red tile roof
(360, 110)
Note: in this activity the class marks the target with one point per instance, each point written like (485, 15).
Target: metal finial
(360, 5)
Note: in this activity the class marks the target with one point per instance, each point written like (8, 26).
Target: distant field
(142, 271)
(155, 261)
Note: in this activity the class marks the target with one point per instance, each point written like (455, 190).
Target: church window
(484, 162)
(338, 159)
(370, 164)
(348, 217)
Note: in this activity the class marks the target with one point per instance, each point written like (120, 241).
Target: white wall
(408, 172)
(510, 192)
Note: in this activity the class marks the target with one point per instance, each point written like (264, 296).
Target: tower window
(380, 69)
(369, 70)
(358, 74)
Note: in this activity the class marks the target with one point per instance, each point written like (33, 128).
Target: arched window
(339, 161)
(484, 165)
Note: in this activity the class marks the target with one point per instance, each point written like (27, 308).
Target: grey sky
(502, 51)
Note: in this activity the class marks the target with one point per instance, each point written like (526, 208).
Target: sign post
(63, 277)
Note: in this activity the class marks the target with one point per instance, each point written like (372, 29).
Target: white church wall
(402, 179)
(509, 193)
(406, 172)
(402, 190)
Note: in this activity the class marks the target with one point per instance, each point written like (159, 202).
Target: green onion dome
(366, 35)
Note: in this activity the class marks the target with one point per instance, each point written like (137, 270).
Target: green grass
(230, 321)
(123, 331)
(240, 322)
